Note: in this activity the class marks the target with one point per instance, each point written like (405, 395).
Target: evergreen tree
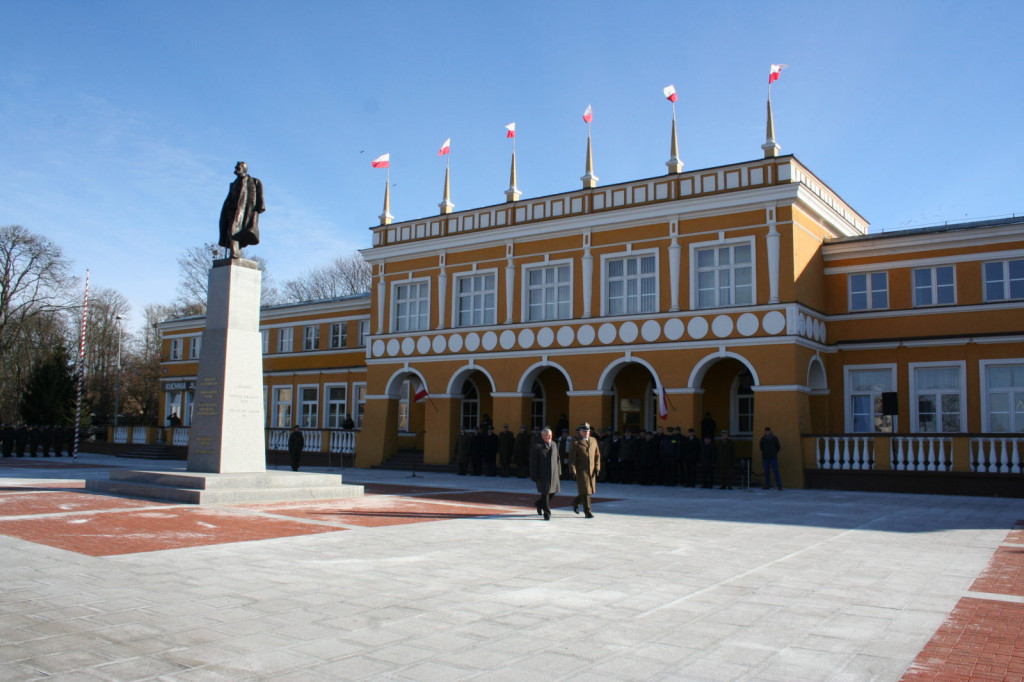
(49, 396)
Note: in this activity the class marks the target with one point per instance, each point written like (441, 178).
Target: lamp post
(117, 386)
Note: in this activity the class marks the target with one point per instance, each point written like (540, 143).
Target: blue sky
(121, 122)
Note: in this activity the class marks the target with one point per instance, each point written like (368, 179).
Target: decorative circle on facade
(674, 329)
(545, 337)
(801, 324)
(490, 340)
(508, 339)
(586, 335)
(698, 328)
(774, 322)
(394, 345)
(408, 345)
(455, 343)
(651, 330)
(565, 336)
(440, 344)
(378, 348)
(721, 326)
(526, 338)
(747, 324)
(824, 335)
(423, 345)
(606, 333)
(628, 332)
(472, 341)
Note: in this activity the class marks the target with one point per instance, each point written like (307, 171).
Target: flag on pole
(382, 161)
(773, 75)
(421, 395)
(588, 115)
(670, 93)
(662, 403)
(446, 148)
(511, 128)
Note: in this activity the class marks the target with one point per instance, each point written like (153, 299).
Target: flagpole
(81, 370)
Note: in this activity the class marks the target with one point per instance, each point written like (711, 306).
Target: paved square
(460, 579)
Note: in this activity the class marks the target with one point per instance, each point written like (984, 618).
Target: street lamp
(117, 386)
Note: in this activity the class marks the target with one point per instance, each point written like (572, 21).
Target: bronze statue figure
(239, 218)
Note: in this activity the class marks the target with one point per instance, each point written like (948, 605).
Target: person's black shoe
(540, 512)
(547, 516)
(575, 507)
(589, 516)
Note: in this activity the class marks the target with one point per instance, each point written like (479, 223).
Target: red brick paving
(56, 502)
(982, 639)
(375, 511)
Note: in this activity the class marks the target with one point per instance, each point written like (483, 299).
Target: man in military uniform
(506, 445)
(585, 460)
(521, 452)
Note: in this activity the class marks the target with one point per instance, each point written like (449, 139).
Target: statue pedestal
(227, 453)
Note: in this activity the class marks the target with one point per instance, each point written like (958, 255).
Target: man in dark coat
(585, 460)
(708, 457)
(239, 217)
(627, 456)
(7, 437)
(58, 440)
(33, 441)
(491, 445)
(477, 446)
(45, 439)
(521, 452)
(670, 446)
(707, 426)
(462, 450)
(691, 455)
(296, 443)
(506, 445)
(770, 458)
(545, 470)
(20, 439)
(726, 460)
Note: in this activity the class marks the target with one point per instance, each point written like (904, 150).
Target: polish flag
(511, 128)
(662, 403)
(421, 395)
(670, 94)
(446, 148)
(773, 75)
(382, 161)
(588, 115)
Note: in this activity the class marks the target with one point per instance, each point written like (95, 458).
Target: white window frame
(364, 331)
(848, 395)
(913, 368)
(285, 339)
(307, 411)
(358, 402)
(933, 286)
(1005, 281)
(422, 315)
(469, 407)
(277, 404)
(606, 281)
(869, 291)
(311, 337)
(333, 418)
(489, 315)
(339, 335)
(265, 338)
(194, 345)
(986, 392)
(404, 405)
(526, 269)
(176, 347)
(695, 271)
(743, 405)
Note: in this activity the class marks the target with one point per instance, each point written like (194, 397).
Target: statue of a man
(239, 218)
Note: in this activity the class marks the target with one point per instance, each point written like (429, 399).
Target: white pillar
(773, 238)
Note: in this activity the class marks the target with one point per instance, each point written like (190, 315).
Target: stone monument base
(188, 487)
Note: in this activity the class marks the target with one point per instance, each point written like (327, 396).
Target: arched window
(470, 406)
(743, 404)
(537, 406)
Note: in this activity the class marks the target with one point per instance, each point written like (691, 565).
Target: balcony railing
(933, 452)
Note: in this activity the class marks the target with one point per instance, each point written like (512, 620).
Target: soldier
(45, 439)
(690, 456)
(627, 456)
(726, 460)
(33, 441)
(585, 459)
(564, 442)
(20, 439)
(7, 439)
(521, 452)
(476, 452)
(506, 446)
(670, 450)
(708, 455)
(462, 447)
(58, 440)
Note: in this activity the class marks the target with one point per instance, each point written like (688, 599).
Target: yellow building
(751, 291)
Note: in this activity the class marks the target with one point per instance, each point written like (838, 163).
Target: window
(403, 407)
(285, 337)
(339, 335)
(470, 406)
(311, 337)
(869, 291)
(725, 276)
(631, 285)
(1004, 386)
(176, 349)
(938, 398)
(1004, 280)
(281, 408)
(265, 337)
(475, 300)
(864, 389)
(309, 406)
(743, 403)
(193, 347)
(411, 306)
(359, 391)
(364, 331)
(934, 286)
(548, 293)
(537, 407)
(336, 396)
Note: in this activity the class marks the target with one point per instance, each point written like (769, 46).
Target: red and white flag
(446, 148)
(382, 161)
(588, 115)
(421, 395)
(662, 403)
(511, 128)
(773, 75)
(670, 93)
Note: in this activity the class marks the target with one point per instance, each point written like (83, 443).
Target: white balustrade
(120, 434)
(922, 453)
(139, 435)
(845, 452)
(179, 436)
(277, 440)
(343, 442)
(311, 441)
(996, 454)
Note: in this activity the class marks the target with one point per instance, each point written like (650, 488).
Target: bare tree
(104, 338)
(343, 276)
(194, 268)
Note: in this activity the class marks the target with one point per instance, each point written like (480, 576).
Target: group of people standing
(36, 441)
